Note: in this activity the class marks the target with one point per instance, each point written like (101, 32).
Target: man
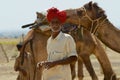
(61, 49)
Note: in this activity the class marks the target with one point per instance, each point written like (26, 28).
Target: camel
(93, 18)
(25, 69)
(35, 43)
(86, 45)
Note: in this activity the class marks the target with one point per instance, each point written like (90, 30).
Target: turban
(55, 13)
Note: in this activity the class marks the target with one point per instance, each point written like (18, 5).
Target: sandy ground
(7, 72)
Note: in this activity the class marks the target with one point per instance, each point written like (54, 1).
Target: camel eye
(37, 17)
(80, 13)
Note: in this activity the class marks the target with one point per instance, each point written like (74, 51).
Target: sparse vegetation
(9, 41)
(9, 47)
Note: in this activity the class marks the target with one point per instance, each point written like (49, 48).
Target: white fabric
(59, 48)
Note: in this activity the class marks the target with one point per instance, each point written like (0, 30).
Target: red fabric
(55, 13)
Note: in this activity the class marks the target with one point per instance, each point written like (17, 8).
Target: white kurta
(61, 47)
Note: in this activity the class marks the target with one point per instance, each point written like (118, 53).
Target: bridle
(93, 29)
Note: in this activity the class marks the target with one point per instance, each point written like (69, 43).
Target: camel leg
(88, 65)
(105, 63)
(80, 69)
(73, 71)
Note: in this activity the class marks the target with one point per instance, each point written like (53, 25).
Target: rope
(97, 26)
(80, 31)
(31, 46)
(23, 51)
(92, 29)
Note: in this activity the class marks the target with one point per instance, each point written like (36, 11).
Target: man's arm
(65, 61)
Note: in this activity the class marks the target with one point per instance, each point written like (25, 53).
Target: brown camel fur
(86, 45)
(25, 70)
(93, 18)
(37, 47)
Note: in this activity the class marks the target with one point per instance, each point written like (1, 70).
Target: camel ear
(90, 3)
(99, 11)
(88, 6)
(37, 13)
(95, 5)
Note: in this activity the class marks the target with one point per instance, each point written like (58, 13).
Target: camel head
(40, 17)
(41, 22)
(90, 15)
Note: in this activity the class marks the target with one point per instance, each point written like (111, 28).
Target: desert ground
(7, 72)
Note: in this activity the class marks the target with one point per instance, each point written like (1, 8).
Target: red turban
(55, 13)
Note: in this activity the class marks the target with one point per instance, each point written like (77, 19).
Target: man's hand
(45, 64)
(39, 64)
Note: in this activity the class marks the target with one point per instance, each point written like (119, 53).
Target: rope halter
(92, 28)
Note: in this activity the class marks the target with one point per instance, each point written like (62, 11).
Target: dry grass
(7, 41)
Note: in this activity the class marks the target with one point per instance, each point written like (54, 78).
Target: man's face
(55, 25)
